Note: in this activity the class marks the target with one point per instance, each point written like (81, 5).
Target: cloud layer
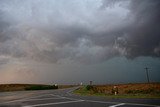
(85, 31)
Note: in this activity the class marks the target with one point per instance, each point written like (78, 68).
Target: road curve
(65, 98)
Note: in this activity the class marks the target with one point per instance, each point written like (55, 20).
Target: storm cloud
(60, 32)
(83, 31)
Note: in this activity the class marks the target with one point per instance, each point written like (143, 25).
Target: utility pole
(147, 74)
(90, 82)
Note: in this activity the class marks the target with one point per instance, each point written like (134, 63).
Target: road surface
(65, 98)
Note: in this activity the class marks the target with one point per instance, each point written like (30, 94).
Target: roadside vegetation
(41, 87)
(24, 87)
(140, 90)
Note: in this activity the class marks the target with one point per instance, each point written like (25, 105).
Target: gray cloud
(140, 37)
(79, 31)
(3, 26)
(146, 30)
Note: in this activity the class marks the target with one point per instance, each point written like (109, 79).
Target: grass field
(140, 90)
(23, 87)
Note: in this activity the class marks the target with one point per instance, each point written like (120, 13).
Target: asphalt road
(65, 98)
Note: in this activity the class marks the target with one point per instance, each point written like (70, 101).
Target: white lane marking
(54, 95)
(69, 92)
(148, 105)
(71, 98)
(101, 101)
(29, 98)
(36, 105)
(40, 96)
(77, 99)
(117, 105)
(65, 97)
(32, 98)
(40, 99)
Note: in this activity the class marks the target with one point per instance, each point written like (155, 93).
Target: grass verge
(85, 92)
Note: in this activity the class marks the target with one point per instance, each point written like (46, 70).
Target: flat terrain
(140, 90)
(23, 87)
(65, 98)
(130, 88)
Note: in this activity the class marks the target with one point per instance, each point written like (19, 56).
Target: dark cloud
(143, 33)
(52, 31)
(63, 41)
(140, 37)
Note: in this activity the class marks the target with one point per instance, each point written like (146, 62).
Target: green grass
(83, 91)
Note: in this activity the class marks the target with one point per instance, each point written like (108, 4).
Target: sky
(74, 41)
